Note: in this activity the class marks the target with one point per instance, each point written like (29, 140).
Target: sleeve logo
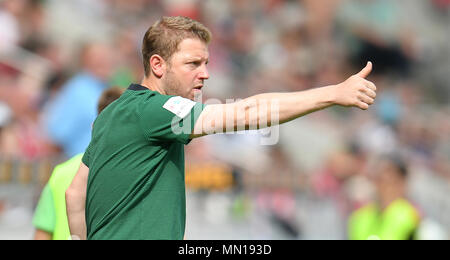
(180, 106)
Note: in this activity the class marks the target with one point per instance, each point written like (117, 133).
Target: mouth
(198, 88)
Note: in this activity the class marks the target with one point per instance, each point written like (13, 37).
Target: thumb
(366, 71)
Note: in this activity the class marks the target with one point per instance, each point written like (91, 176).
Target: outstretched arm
(269, 109)
(75, 203)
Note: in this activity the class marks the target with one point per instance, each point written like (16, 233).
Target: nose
(204, 74)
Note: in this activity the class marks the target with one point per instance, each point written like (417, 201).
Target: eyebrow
(191, 59)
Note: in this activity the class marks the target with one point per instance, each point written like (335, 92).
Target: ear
(158, 65)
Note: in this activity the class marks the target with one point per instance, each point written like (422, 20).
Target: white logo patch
(179, 106)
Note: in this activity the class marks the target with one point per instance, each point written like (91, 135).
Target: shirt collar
(137, 87)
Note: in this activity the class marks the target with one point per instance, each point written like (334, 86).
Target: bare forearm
(75, 204)
(269, 109)
(286, 106)
(263, 110)
(42, 235)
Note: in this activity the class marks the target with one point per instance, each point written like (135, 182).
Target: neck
(153, 84)
(386, 198)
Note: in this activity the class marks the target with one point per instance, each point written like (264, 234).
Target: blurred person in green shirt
(50, 218)
(392, 216)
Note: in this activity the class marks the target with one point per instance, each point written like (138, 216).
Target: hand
(356, 91)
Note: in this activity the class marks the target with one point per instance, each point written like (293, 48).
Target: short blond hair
(164, 36)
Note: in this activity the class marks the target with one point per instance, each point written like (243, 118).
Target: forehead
(190, 49)
(386, 169)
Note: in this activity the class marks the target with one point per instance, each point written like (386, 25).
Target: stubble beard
(172, 85)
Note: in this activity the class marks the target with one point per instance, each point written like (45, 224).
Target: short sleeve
(44, 215)
(169, 118)
(86, 156)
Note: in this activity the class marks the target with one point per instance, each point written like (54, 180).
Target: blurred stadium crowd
(57, 56)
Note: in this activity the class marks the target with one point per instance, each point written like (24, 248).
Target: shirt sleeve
(169, 118)
(45, 216)
(86, 156)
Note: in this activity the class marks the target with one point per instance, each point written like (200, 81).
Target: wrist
(331, 94)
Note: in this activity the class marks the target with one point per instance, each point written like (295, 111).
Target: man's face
(186, 70)
(387, 178)
(98, 60)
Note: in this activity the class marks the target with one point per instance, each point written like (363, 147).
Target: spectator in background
(9, 24)
(5, 115)
(332, 180)
(129, 68)
(392, 216)
(69, 116)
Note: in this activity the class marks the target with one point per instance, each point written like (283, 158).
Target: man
(130, 184)
(50, 217)
(392, 217)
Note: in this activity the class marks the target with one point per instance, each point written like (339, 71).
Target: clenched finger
(366, 99)
(369, 92)
(362, 105)
(370, 85)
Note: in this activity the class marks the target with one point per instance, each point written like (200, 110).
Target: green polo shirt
(398, 221)
(51, 213)
(136, 185)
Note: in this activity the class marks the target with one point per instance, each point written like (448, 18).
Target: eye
(194, 64)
